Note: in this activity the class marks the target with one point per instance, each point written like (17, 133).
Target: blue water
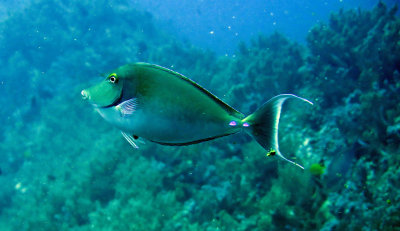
(62, 167)
(220, 25)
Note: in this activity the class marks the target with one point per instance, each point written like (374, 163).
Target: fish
(162, 106)
(317, 169)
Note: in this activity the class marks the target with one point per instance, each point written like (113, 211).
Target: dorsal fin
(225, 106)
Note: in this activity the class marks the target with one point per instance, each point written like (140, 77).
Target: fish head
(105, 93)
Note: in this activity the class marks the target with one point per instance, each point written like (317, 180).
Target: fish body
(163, 106)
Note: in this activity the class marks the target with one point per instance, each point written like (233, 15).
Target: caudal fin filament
(264, 122)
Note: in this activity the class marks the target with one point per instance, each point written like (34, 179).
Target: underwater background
(63, 168)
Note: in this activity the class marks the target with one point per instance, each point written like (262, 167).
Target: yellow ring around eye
(113, 75)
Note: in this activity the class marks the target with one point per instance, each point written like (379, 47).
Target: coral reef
(63, 168)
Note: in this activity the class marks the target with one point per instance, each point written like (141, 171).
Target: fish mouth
(86, 97)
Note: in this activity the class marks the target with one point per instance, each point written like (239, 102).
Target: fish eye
(113, 78)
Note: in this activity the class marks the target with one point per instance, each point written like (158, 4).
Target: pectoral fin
(128, 107)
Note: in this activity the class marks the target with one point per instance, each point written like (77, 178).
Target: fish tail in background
(263, 124)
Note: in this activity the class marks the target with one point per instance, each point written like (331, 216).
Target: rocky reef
(63, 168)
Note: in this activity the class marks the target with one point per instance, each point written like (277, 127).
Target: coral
(357, 48)
(270, 64)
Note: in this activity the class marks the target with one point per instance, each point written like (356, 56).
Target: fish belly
(171, 128)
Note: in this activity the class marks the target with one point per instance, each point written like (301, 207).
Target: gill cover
(105, 93)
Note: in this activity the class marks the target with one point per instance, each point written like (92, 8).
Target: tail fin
(263, 124)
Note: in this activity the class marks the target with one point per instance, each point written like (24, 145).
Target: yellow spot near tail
(271, 152)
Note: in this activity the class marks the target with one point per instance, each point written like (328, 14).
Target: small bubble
(212, 32)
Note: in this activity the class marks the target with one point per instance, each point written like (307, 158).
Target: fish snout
(85, 95)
